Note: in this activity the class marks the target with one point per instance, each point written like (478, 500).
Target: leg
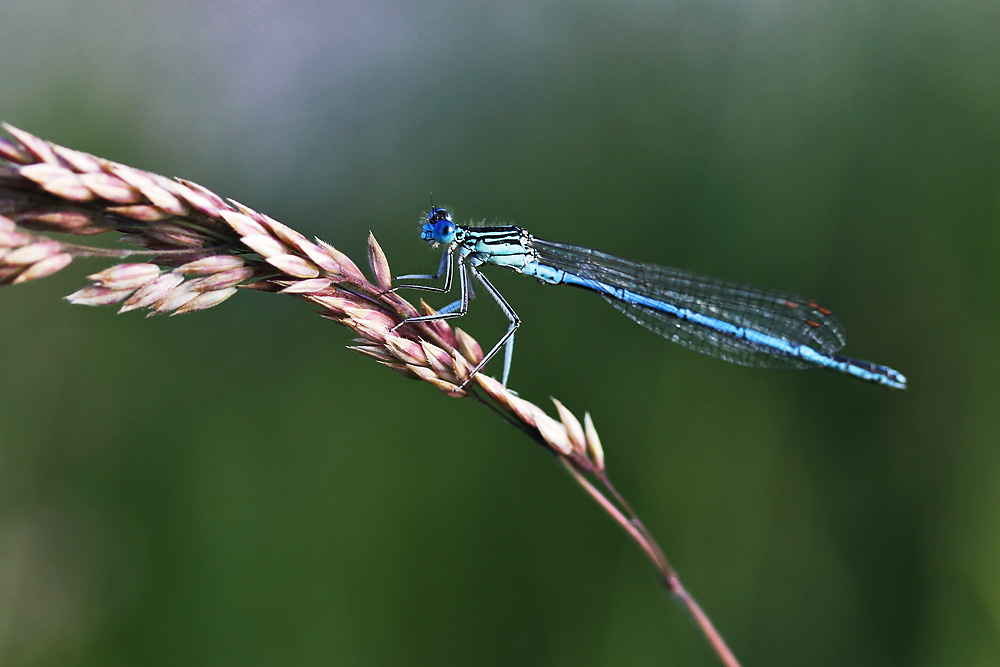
(507, 338)
(463, 301)
(453, 306)
(508, 354)
(445, 267)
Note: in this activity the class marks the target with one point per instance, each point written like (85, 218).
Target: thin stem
(668, 576)
(649, 547)
(703, 622)
(78, 250)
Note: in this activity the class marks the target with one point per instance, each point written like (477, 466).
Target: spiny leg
(444, 267)
(463, 307)
(507, 339)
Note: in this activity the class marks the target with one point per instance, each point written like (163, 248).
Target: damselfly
(738, 323)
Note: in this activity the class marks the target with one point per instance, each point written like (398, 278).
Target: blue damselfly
(738, 323)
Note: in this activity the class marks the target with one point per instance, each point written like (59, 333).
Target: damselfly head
(439, 229)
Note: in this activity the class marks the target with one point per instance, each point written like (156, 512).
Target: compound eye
(444, 230)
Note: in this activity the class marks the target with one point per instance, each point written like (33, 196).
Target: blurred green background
(234, 487)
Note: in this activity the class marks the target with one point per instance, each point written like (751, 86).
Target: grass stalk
(190, 249)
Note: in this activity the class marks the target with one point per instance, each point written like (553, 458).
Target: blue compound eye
(440, 226)
(444, 231)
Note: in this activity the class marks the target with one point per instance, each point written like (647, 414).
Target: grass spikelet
(594, 448)
(95, 295)
(378, 263)
(125, 276)
(44, 267)
(574, 431)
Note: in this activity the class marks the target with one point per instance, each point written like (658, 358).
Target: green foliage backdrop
(233, 487)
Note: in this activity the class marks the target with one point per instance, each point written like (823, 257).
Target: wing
(724, 311)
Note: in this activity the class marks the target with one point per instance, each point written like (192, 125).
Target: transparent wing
(781, 315)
